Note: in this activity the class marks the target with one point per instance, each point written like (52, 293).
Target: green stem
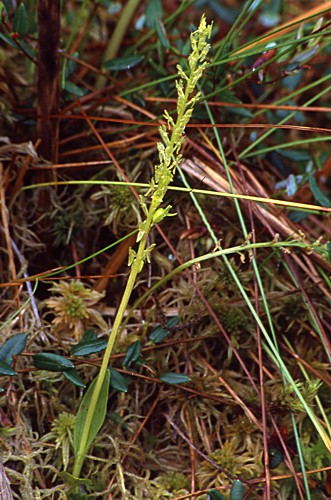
(111, 342)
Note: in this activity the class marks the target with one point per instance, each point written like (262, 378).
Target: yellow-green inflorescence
(169, 149)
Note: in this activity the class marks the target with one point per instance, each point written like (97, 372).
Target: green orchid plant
(92, 411)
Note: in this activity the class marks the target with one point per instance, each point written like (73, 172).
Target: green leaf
(173, 321)
(73, 376)
(161, 33)
(295, 154)
(237, 490)
(72, 88)
(88, 347)
(228, 96)
(328, 247)
(215, 495)
(20, 21)
(117, 381)
(240, 111)
(74, 481)
(153, 12)
(174, 378)
(275, 457)
(121, 63)
(318, 194)
(118, 420)
(5, 369)
(51, 362)
(132, 354)
(12, 347)
(98, 416)
(158, 335)
(8, 40)
(89, 335)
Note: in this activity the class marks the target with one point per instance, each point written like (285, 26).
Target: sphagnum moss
(169, 157)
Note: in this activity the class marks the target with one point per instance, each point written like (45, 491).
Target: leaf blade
(98, 417)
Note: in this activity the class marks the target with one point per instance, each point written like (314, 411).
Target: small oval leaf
(117, 381)
(215, 495)
(121, 63)
(20, 21)
(132, 354)
(88, 336)
(72, 88)
(73, 376)
(318, 194)
(158, 335)
(237, 490)
(12, 347)
(51, 362)
(5, 369)
(89, 347)
(174, 378)
(275, 458)
(173, 321)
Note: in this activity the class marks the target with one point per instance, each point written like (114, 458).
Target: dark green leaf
(28, 49)
(20, 21)
(88, 347)
(237, 490)
(295, 154)
(72, 88)
(228, 96)
(5, 369)
(275, 457)
(8, 40)
(173, 321)
(71, 65)
(74, 481)
(227, 14)
(132, 354)
(98, 416)
(88, 336)
(118, 420)
(328, 247)
(297, 215)
(153, 12)
(161, 33)
(51, 362)
(12, 347)
(240, 111)
(117, 381)
(158, 335)
(215, 495)
(174, 378)
(121, 63)
(319, 196)
(73, 376)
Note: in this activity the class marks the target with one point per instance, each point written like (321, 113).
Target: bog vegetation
(165, 250)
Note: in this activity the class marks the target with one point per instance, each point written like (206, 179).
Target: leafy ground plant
(214, 379)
